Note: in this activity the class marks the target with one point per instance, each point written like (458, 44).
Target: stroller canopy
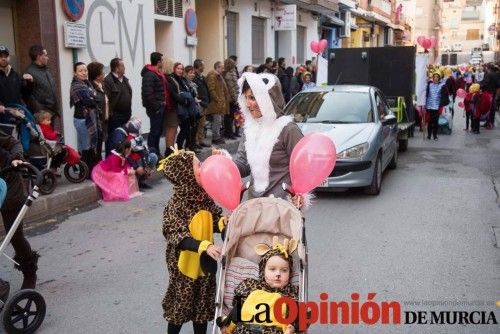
(257, 221)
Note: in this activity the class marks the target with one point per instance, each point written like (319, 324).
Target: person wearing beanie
(140, 158)
(450, 87)
(13, 87)
(131, 128)
(474, 100)
(189, 220)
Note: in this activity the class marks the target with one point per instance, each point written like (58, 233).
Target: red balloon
(461, 104)
(315, 47)
(312, 160)
(461, 93)
(426, 44)
(322, 45)
(221, 180)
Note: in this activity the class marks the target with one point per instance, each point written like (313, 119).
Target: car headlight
(353, 152)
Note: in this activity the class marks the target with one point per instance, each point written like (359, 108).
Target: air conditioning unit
(345, 16)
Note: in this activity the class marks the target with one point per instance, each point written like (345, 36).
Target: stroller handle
(25, 165)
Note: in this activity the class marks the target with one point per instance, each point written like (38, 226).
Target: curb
(71, 196)
(78, 195)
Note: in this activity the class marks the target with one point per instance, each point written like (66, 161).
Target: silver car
(362, 126)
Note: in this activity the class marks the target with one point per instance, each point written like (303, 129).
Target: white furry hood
(262, 134)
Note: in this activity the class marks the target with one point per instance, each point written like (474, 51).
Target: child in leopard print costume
(275, 271)
(189, 220)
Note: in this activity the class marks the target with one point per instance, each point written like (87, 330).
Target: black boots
(28, 267)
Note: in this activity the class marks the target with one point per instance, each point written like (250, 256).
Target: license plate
(324, 183)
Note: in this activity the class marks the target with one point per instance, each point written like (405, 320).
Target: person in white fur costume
(269, 137)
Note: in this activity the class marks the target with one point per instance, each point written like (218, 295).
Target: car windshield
(331, 107)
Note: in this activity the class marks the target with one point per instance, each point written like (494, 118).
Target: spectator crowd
(182, 103)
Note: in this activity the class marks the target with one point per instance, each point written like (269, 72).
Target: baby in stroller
(244, 282)
(275, 269)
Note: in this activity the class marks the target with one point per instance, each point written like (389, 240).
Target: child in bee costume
(189, 220)
(275, 272)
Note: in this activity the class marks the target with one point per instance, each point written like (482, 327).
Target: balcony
(383, 5)
(471, 15)
(326, 7)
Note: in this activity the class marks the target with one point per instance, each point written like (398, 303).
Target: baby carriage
(46, 154)
(24, 312)
(257, 221)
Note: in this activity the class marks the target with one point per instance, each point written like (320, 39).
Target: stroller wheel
(24, 312)
(48, 182)
(76, 173)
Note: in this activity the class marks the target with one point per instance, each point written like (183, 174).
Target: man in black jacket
(44, 97)
(154, 98)
(119, 93)
(13, 88)
(11, 153)
(204, 96)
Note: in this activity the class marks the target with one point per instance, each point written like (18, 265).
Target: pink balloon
(461, 104)
(461, 93)
(312, 160)
(221, 180)
(315, 46)
(433, 41)
(420, 40)
(322, 45)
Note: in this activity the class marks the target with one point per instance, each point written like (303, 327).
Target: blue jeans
(155, 130)
(3, 191)
(82, 135)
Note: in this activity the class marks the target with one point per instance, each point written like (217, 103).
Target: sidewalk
(69, 196)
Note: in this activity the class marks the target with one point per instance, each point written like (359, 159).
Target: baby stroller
(257, 221)
(46, 154)
(24, 312)
(445, 121)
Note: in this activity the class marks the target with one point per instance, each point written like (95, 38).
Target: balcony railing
(383, 5)
(471, 15)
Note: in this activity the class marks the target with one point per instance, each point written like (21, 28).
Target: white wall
(287, 40)
(307, 20)
(107, 38)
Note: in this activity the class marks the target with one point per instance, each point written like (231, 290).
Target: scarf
(83, 91)
(164, 82)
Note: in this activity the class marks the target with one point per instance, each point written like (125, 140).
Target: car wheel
(374, 187)
(393, 164)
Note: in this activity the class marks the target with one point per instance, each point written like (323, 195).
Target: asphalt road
(427, 238)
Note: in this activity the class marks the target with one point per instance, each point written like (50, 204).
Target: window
(331, 107)
(472, 34)
(232, 21)
(454, 23)
(258, 26)
(383, 108)
(169, 8)
(301, 44)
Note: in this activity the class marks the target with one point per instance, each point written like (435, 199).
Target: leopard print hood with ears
(178, 169)
(189, 197)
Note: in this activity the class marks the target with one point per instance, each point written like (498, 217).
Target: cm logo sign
(109, 31)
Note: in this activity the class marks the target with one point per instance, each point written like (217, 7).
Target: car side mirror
(389, 120)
